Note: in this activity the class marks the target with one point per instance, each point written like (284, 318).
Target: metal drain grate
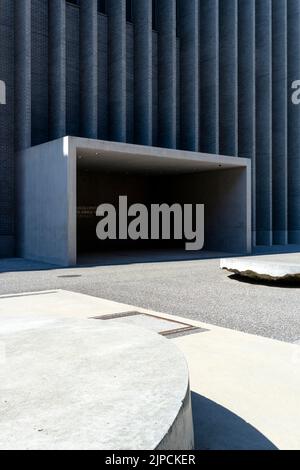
(163, 326)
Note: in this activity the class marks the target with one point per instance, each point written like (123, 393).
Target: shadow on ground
(124, 257)
(283, 284)
(217, 428)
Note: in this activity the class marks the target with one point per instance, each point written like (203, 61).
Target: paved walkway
(195, 289)
(246, 389)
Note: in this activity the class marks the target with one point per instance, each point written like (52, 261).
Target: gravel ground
(195, 289)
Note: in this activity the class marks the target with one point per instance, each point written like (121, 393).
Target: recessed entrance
(77, 175)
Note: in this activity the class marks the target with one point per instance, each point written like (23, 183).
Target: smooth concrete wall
(47, 203)
(227, 207)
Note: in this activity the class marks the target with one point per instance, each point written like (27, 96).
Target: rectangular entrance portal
(64, 181)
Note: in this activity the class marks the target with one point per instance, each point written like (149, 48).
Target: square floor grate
(163, 326)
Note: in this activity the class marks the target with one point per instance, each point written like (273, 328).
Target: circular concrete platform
(92, 385)
(267, 267)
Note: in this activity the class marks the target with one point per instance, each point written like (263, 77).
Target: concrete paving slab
(266, 267)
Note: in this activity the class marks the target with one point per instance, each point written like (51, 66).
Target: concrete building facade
(198, 77)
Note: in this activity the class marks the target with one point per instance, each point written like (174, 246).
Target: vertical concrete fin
(279, 177)
(23, 74)
(293, 123)
(246, 91)
(142, 14)
(228, 90)
(264, 122)
(89, 68)
(209, 76)
(188, 23)
(117, 69)
(57, 69)
(167, 73)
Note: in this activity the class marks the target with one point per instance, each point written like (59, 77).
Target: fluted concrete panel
(23, 74)
(154, 89)
(102, 77)
(130, 83)
(228, 77)
(89, 68)
(209, 76)
(7, 163)
(264, 122)
(279, 113)
(117, 69)
(39, 71)
(246, 91)
(142, 13)
(167, 73)
(188, 23)
(73, 69)
(57, 69)
(293, 122)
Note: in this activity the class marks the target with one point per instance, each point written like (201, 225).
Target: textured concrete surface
(67, 61)
(245, 388)
(194, 289)
(74, 384)
(271, 267)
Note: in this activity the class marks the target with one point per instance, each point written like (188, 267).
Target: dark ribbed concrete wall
(215, 76)
(7, 129)
(293, 124)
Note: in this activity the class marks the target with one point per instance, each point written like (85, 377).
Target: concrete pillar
(246, 92)
(280, 143)
(188, 22)
(167, 73)
(228, 77)
(89, 68)
(117, 69)
(264, 122)
(142, 14)
(57, 69)
(293, 122)
(23, 74)
(209, 76)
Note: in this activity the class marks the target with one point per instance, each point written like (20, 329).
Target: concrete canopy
(47, 179)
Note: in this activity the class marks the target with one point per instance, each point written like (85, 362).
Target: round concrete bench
(93, 385)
